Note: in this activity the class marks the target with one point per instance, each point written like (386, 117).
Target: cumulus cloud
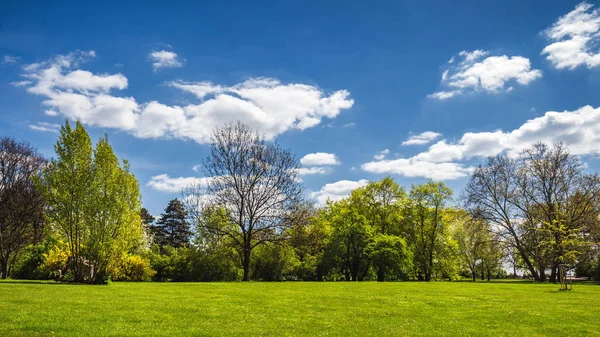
(45, 127)
(164, 59)
(413, 167)
(421, 138)
(578, 129)
(263, 103)
(575, 39)
(164, 183)
(319, 159)
(381, 155)
(479, 72)
(337, 191)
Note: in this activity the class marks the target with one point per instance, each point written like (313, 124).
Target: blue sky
(343, 81)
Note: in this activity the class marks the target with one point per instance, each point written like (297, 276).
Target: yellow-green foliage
(132, 268)
(55, 260)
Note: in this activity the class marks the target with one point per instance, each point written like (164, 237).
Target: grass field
(336, 309)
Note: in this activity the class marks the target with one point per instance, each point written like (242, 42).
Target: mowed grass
(309, 309)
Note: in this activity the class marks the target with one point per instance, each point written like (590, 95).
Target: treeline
(78, 217)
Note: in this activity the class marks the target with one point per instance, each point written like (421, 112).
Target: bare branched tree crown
(541, 204)
(255, 185)
(21, 206)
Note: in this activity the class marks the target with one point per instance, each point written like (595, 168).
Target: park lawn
(302, 308)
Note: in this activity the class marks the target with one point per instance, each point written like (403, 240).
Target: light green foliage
(94, 203)
(67, 187)
(429, 220)
(470, 235)
(392, 252)
(350, 236)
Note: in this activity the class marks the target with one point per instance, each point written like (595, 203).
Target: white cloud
(579, 130)
(349, 125)
(413, 167)
(196, 168)
(576, 39)
(303, 171)
(20, 83)
(319, 159)
(490, 74)
(381, 155)
(164, 183)
(164, 59)
(45, 127)
(263, 103)
(9, 59)
(421, 138)
(337, 191)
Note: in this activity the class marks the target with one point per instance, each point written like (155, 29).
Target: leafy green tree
(427, 224)
(381, 202)
(172, 228)
(390, 253)
(470, 235)
(350, 237)
(93, 201)
(67, 184)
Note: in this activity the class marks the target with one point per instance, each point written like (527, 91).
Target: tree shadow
(45, 282)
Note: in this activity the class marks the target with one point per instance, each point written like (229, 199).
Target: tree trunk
(474, 276)
(553, 273)
(542, 274)
(4, 269)
(246, 263)
(381, 273)
(532, 270)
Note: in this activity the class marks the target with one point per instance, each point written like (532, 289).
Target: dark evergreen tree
(147, 218)
(172, 228)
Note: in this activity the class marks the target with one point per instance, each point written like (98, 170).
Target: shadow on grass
(47, 282)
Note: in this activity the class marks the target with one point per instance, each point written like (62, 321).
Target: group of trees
(79, 217)
(85, 201)
(541, 205)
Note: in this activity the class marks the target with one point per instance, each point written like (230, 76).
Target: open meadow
(302, 308)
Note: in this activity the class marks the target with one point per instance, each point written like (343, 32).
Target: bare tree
(539, 203)
(255, 186)
(21, 206)
(490, 194)
(557, 198)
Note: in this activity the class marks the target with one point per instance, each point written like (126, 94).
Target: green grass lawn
(310, 309)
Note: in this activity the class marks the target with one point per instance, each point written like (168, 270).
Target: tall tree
(114, 221)
(540, 203)
(172, 228)
(351, 235)
(68, 182)
(93, 203)
(381, 202)
(21, 206)
(426, 216)
(470, 234)
(255, 181)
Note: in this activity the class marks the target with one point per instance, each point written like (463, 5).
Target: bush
(55, 261)
(132, 268)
